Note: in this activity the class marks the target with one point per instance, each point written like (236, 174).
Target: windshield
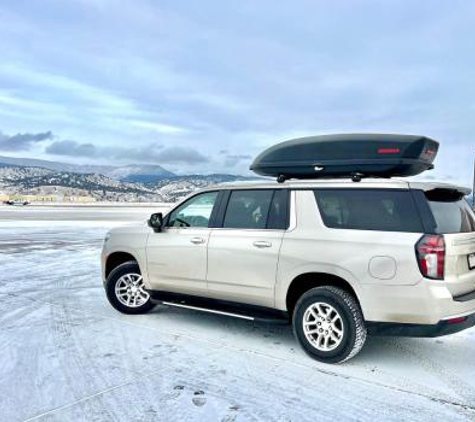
(452, 215)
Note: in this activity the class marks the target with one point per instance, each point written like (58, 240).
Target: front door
(177, 255)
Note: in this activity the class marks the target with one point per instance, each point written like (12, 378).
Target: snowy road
(66, 355)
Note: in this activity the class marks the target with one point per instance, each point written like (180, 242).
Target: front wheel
(125, 290)
(329, 325)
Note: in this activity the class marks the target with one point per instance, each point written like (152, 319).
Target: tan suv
(336, 258)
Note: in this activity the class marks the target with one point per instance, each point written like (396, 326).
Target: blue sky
(201, 86)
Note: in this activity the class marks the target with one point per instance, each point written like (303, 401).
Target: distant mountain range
(137, 172)
(129, 183)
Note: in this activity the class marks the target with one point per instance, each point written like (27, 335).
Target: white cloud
(67, 87)
(159, 127)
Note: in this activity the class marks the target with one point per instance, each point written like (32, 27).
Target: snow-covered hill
(38, 181)
(114, 172)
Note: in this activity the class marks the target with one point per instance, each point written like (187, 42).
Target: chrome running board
(211, 311)
(220, 307)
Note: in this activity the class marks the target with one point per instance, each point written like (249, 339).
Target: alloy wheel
(129, 290)
(323, 326)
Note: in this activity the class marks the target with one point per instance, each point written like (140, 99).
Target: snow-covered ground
(66, 355)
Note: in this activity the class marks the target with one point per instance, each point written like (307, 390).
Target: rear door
(454, 218)
(243, 252)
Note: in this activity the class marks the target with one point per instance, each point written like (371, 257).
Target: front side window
(196, 212)
(369, 209)
(248, 209)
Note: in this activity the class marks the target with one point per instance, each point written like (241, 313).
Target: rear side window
(452, 214)
(369, 209)
(256, 209)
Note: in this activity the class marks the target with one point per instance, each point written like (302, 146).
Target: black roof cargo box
(349, 155)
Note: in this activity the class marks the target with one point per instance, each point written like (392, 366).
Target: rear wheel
(329, 324)
(125, 290)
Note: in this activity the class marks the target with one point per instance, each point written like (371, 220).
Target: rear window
(257, 209)
(248, 209)
(364, 209)
(452, 214)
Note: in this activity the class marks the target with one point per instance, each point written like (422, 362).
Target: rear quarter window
(369, 209)
(451, 212)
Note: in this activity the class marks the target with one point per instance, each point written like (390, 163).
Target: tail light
(431, 256)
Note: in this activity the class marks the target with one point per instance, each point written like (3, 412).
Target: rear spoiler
(447, 187)
(447, 194)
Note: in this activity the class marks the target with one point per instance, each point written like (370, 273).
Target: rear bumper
(426, 303)
(465, 297)
(442, 328)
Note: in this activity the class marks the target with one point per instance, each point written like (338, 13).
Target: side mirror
(156, 221)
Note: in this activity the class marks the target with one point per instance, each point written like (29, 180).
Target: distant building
(79, 199)
(47, 198)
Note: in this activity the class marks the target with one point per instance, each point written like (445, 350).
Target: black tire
(130, 267)
(351, 319)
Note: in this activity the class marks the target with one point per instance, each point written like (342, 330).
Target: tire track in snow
(454, 382)
(462, 406)
(73, 355)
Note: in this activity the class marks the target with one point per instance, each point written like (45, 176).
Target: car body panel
(242, 265)
(177, 259)
(347, 254)
(131, 239)
(459, 277)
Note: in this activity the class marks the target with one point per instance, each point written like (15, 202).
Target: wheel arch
(118, 258)
(309, 280)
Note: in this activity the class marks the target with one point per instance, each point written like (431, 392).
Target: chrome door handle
(197, 240)
(262, 244)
